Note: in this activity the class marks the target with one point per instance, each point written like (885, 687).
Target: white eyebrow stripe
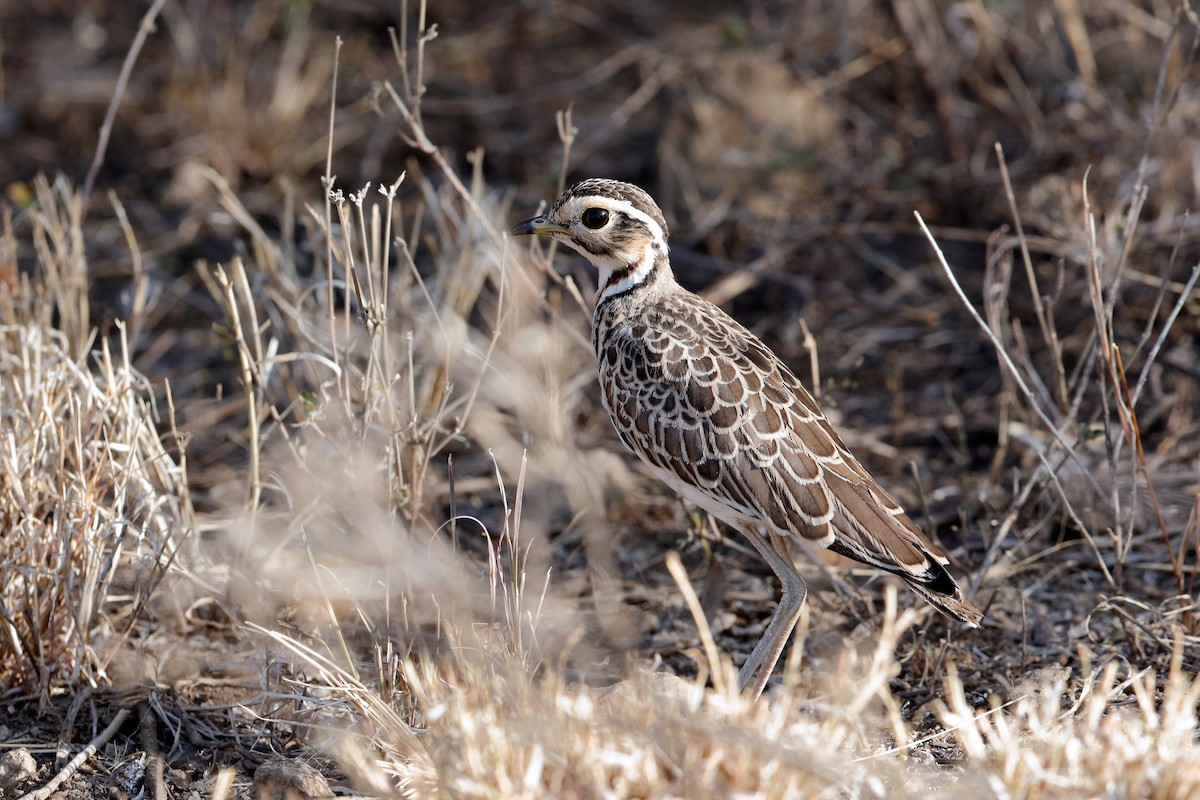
(630, 210)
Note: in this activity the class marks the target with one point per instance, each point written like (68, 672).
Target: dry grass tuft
(92, 506)
(490, 729)
(1106, 737)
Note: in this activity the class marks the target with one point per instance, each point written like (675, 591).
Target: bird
(717, 416)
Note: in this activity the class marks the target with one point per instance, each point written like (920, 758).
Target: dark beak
(538, 226)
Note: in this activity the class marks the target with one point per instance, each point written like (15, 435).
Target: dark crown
(615, 190)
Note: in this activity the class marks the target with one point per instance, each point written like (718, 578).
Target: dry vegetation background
(286, 471)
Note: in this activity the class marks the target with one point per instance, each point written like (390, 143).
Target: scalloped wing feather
(720, 418)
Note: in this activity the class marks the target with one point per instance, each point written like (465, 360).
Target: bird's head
(616, 226)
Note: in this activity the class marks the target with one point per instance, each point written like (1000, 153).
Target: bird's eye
(594, 218)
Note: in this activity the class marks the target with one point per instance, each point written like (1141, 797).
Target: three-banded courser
(718, 417)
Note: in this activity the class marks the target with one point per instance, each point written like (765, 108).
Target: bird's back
(719, 417)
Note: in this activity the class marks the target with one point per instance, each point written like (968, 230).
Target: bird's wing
(694, 393)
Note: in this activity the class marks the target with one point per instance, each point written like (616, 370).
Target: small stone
(663, 685)
(16, 767)
(289, 779)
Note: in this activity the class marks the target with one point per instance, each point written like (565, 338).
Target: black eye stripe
(596, 248)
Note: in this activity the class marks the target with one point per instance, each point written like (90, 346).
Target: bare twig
(1006, 359)
(814, 360)
(122, 83)
(1039, 306)
(248, 360)
(711, 654)
(1162, 335)
(1135, 441)
(566, 134)
(328, 182)
(140, 282)
(78, 761)
(1107, 353)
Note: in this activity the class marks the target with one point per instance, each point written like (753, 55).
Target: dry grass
(94, 508)
(419, 551)
(1109, 738)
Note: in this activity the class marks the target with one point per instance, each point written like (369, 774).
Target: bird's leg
(758, 667)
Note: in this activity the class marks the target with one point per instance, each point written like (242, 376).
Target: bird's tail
(946, 597)
(927, 577)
